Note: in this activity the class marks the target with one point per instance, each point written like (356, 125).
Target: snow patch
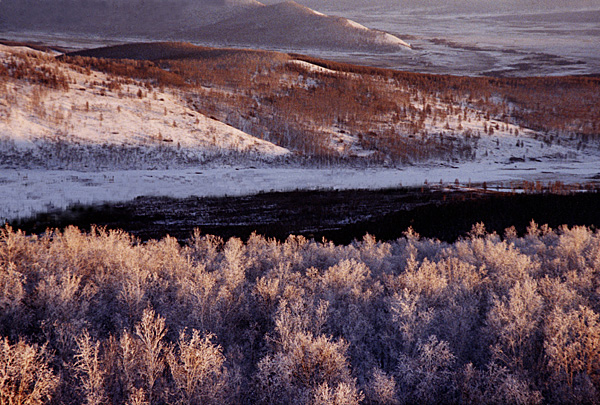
(356, 25)
(312, 67)
(391, 39)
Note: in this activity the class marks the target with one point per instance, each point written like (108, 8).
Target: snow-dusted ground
(27, 192)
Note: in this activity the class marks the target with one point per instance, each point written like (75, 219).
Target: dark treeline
(338, 216)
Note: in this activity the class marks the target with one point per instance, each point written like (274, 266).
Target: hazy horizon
(477, 37)
(457, 5)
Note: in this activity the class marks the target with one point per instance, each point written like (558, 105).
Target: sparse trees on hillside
(325, 112)
(395, 115)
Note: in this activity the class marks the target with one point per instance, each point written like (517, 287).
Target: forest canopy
(100, 317)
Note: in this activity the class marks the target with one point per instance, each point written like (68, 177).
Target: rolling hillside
(290, 25)
(232, 122)
(55, 114)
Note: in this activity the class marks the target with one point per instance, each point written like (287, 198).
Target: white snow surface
(356, 25)
(312, 67)
(389, 38)
(381, 37)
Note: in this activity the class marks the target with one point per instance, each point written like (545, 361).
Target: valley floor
(29, 192)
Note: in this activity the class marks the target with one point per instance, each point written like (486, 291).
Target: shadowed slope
(291, 25)
(114, 18)
(234, 22)
(154, 51)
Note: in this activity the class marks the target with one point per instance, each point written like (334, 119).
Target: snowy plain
(476, 41)
(27, 192)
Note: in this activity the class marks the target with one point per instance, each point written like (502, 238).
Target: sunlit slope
(56, 114)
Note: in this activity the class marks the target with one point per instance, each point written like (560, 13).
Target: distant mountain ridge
(250, 23)
(291, 25)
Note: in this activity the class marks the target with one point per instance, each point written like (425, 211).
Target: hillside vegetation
(335, 111)
(101, 318)
(60, 115)
(86, 107)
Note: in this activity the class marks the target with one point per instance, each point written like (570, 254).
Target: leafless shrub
(495, 385)
(428, 375)
(343, 394)
(411, 316)
(197, 367)
(482, 320)
(90, 369)
(25, 376)
(573, 348)
(150, 333)
(382, 388)
(128, 369)
(12, 293)
(299, 371)
(513, 322)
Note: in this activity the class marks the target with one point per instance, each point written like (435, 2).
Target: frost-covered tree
(482, 320)
(25, 375)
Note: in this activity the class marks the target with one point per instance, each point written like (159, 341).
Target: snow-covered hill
(216, 22)
(290, 25)
(95, 121)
